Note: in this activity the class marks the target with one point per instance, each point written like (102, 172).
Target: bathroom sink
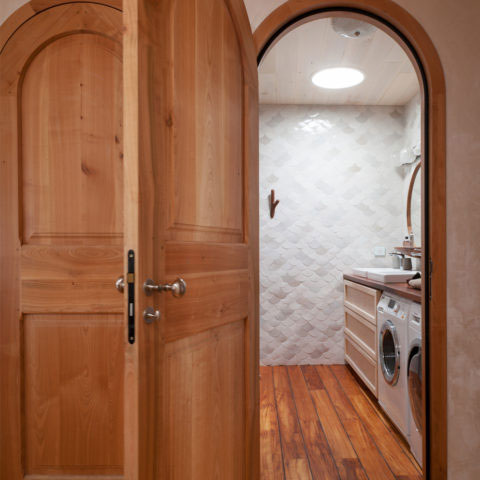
(385, 275)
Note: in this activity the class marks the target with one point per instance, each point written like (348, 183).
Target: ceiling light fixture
(352, 28)
(341, 77)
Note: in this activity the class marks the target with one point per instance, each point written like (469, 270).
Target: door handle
(178, 287)
(120, 283)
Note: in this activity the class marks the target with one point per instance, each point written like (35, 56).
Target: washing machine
(392, 319)
(414, 380)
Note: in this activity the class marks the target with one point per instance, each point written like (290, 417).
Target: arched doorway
(409, 34)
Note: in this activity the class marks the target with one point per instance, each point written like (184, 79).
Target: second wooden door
(191, 115)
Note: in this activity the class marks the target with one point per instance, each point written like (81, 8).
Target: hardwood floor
(317, 422)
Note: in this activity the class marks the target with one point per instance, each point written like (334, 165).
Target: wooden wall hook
(273, 203)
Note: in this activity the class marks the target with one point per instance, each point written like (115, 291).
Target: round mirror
(414, 205)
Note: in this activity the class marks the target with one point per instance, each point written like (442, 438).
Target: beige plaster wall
(7, 7)
(454, 26)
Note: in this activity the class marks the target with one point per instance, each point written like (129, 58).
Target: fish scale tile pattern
(336, 173)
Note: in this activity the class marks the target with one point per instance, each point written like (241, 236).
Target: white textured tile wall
(336, 173)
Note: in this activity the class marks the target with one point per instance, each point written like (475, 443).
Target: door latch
(131, 296)
(150, 315)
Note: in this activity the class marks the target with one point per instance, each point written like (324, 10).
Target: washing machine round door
(415, 381)
(389, 353)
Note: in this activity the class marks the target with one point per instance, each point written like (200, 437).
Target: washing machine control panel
(392, 306)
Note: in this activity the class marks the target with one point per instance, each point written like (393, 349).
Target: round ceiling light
(340, 77)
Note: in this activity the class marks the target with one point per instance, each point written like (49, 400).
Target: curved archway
(410, 35)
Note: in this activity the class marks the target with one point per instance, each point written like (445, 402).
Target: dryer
(414, 380)
(392, 318)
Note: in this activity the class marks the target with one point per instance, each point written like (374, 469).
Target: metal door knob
(150, 315)
(120, 283)
(178, 287)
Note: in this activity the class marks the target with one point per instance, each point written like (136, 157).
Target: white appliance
(414, 380)
(392, 318)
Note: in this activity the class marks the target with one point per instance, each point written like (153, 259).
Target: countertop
(399, 289)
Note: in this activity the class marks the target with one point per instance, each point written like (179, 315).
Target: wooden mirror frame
(409, 197)
(410, 35)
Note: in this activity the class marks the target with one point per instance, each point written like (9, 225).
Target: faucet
(404, 265)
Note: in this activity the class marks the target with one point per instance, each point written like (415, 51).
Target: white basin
(385, 275)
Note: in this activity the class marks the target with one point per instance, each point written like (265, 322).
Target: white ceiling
(285, 72)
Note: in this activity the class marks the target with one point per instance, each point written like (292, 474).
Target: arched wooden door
(61, 241)
(191, 151)
(88, 388)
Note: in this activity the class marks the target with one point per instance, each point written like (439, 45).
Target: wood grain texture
(205, 428)
(270, 448)
(70, 262)
(213, 299)
(294, 452)
(322, 463)
(141, 400)
(195, 258)
(191, 103)
(206, 169)
(61, 188)
(433, 191)
(73, 392)
(285, 73)
(368, 453)
(348, 432)
(71, 144)
(397, 458)
(343, 452)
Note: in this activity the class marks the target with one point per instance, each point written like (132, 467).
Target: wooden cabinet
(361, 331)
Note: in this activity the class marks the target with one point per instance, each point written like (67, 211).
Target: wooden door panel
(71, 262)
(61, 213)
(218, 283)
(213, 299)
(205, 434)
(71, 129)
(192, 183)
(63, 296)
(73, 378)
(207, 162)
(190, 257)
(73, 279)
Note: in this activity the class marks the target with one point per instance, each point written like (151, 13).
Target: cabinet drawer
(362, 300)
(362, 330)
(364, 365)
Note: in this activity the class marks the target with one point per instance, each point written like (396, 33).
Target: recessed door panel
(206, 124)
(73, 378)
(71, 142)
(206, 430)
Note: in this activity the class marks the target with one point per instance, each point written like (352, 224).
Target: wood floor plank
(311, 413)
(322, 464)
(373, 462)
(294, 453)
(383, 416)
(348, 464)
(384, 437)
(270, 449)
